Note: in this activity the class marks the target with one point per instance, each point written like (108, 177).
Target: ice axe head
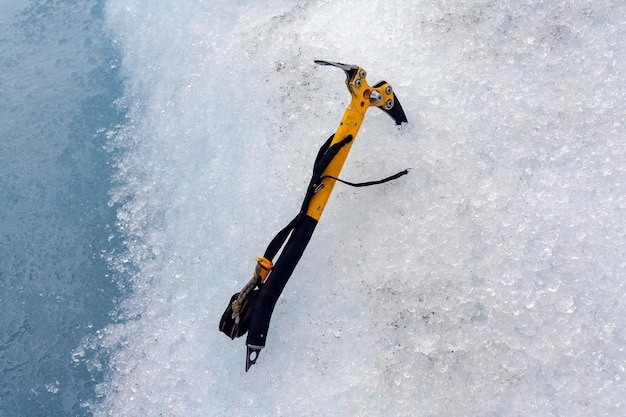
(381, 95)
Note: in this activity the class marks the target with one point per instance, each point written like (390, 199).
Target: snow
(487, 282)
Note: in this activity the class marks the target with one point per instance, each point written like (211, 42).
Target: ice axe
(250, 310)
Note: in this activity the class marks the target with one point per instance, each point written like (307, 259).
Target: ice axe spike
(381, 95)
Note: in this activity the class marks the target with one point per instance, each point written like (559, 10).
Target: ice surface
(57, 87)
(488, 282)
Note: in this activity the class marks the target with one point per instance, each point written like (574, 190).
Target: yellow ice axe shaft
(363, 97)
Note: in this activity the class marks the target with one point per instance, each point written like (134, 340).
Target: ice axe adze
(250, 310)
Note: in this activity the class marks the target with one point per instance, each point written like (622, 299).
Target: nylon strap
(325, 155)
(368, 183)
